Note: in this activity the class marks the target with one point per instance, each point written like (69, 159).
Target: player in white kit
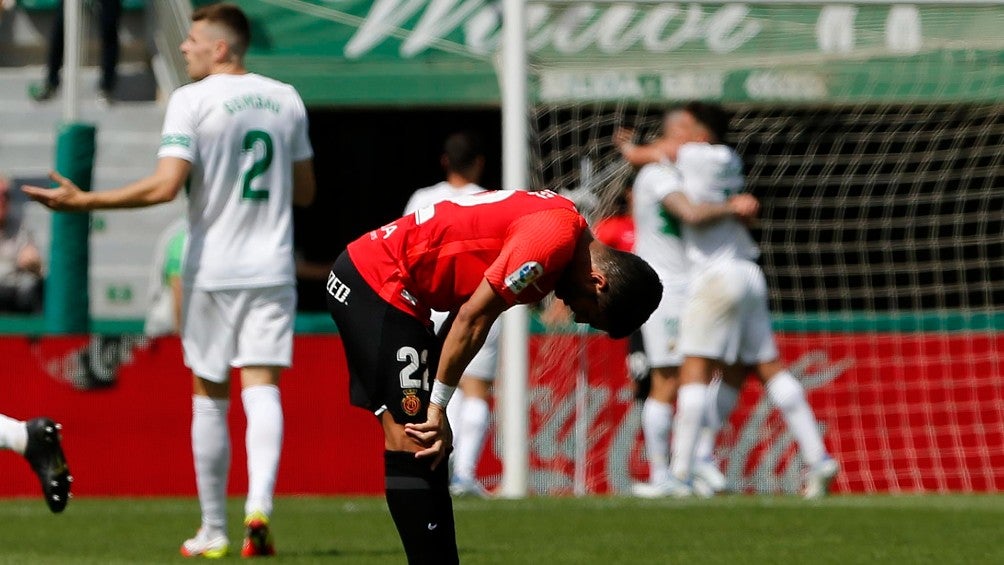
(726, 322)
(38, 441)
(658, 205)
(240, 140)
(464, 162)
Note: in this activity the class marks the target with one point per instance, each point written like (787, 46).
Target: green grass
(728, 530)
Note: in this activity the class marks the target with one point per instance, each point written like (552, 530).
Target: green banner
(380, 52)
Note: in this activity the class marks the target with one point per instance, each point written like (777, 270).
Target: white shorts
(726, 317)
(485, 363)
(661, 332)
(237, 328)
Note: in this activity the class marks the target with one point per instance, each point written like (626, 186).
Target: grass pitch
(728, 530)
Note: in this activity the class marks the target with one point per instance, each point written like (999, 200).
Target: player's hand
(623, 136)
(67, 196)
(434, 434)
(745, 206)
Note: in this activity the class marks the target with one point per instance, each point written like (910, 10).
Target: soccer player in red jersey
(474, 257)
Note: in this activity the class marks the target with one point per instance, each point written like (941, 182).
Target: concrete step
(122, 243)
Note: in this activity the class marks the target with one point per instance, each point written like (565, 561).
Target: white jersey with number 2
(241, 133)
(713, 173)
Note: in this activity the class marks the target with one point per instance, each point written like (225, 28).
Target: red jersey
(617, 232)
(435, 258)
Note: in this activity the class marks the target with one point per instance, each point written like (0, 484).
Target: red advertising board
(133, 438)
(901, 412)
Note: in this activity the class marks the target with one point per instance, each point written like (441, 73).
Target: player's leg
(472, 418)
(264, 321)
(418, 497)
(788, 395)
(13, 434)
(783, 389)
(660, 335)
(691, 398)
(723, 394)
(720, 403)
(709, 338)
(656, 421)
(38, 440)
(207, 338)
(392, 358)
(211, 454)
(469, 429)
(263, 442)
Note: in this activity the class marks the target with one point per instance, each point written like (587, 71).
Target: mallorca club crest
(410, 403)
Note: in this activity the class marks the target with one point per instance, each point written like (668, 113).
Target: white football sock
(789, 396)
(469, 435)
(722, 399)
(656, 422)
(690, 406)
(211, 451)
(263, 409)
(13, 434)
(453, 411)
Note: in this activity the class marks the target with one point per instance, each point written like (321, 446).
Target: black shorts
(392, 356)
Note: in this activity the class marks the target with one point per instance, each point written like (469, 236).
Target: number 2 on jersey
(252, 140)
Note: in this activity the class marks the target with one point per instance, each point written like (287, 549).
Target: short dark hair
(462, 150)
(634, 291)
(231, 17)
(712, 116)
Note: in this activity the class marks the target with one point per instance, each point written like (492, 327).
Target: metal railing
(169, 23)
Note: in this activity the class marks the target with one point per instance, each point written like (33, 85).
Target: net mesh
(883, 245)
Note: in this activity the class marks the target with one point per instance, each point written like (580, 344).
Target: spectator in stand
(20, 261)
(109, 14)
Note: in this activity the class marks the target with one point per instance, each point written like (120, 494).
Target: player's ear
(599, 280)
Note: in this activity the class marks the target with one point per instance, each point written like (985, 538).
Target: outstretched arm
(744, 206)
(641, 155)
(162, 186)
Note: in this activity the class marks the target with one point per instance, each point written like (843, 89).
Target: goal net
(873, 136)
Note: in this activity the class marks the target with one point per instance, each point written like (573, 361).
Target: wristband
(441, 393)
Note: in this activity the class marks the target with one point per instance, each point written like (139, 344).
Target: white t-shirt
(657, 232)
(436, 193)
(242, 134)
(713, 173)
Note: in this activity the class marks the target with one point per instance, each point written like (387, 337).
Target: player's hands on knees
(434, 434)
(66, 196)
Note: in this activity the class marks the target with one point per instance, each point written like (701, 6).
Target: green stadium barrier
(38, 5)
(851, 322)
(67, 299)
(48, 5)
